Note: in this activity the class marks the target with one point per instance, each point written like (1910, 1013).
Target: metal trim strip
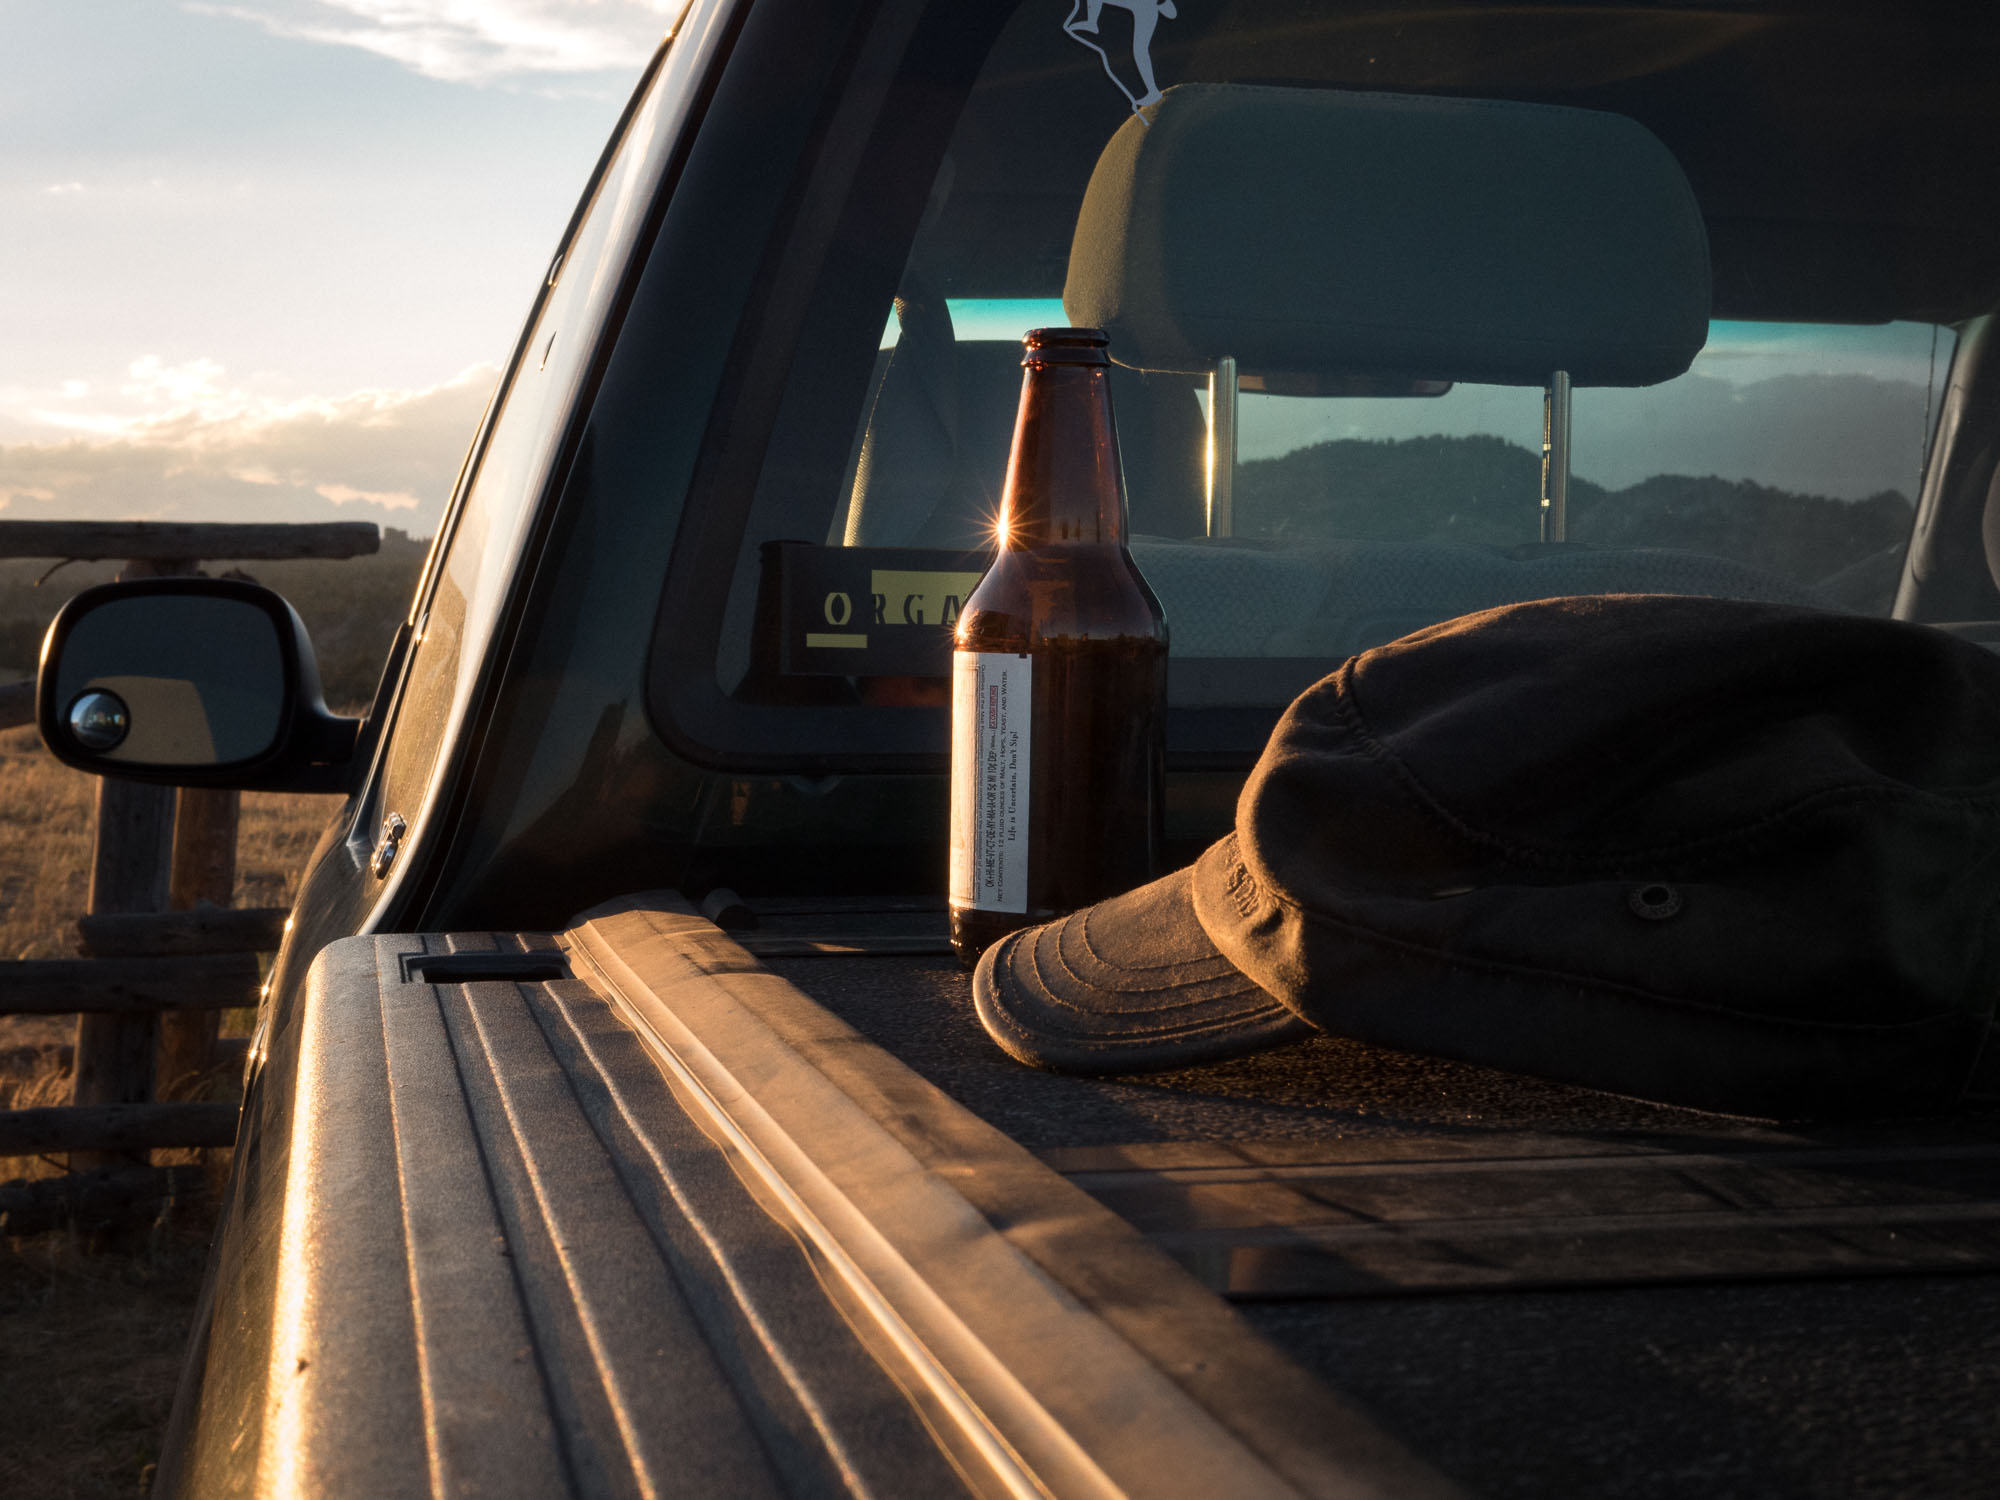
(1054, 1399)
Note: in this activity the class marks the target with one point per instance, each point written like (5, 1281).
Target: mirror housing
(192, 682)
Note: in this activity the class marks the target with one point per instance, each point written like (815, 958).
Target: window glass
(1783, 465)
(1795, 448)
(1791, 449)
(482, 551)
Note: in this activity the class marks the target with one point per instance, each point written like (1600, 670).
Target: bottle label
(990, 701)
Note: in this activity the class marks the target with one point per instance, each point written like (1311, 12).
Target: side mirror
(193, 681)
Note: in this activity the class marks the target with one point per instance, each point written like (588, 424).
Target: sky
(262, 261)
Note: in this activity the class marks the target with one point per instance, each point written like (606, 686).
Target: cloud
(209, 452)
(183, 384)
(474, 41)
(342, 494)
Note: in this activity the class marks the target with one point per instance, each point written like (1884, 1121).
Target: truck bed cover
(631, 1209)
(1540, 1289)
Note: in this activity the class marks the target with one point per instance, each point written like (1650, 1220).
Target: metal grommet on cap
(1655, 901)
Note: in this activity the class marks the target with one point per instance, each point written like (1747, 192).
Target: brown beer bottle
(1059, 672)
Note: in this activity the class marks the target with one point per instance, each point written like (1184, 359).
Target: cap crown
(1682, 833)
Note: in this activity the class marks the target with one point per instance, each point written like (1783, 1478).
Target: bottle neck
(1064, 484)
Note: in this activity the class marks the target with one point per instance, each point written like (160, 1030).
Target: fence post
(203, 869)
(128, 873)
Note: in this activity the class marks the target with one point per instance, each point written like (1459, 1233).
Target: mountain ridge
(1485, 489)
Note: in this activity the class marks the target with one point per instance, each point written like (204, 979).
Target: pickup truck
(618, 1121)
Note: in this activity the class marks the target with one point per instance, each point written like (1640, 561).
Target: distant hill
(1466, 489)
(1846, 436)
(351, 609)
(1486, 489)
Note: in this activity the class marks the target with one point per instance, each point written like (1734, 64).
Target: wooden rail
(208, 929)
(93, 1200)
(115, 1127)
(127, 986)
(185, 541)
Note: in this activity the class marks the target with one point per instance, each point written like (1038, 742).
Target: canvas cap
(1129, 984)
(1730, 855)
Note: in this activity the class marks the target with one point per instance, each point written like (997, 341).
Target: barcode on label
(990, 700)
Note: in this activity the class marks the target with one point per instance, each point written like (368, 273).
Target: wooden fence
(164, 954)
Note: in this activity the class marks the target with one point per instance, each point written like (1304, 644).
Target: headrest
(1314, 230)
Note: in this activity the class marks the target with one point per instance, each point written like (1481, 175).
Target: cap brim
(1129, 985)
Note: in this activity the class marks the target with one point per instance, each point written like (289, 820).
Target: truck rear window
(1783, 465)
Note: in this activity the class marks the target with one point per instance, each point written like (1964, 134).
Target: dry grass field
(91, 1330)
(45, 830)
(91, 1338)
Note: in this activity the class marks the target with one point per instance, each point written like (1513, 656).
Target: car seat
(1327, 234)
(933, 455)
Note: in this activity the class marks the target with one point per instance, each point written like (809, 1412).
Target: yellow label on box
(909, 598)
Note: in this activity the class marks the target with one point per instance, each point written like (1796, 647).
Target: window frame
(834, 231)
(693, 46)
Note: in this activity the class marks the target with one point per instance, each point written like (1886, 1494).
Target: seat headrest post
(1222, 447)
(1555, 458)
